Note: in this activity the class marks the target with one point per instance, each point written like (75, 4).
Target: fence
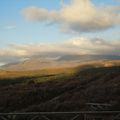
(84, 115)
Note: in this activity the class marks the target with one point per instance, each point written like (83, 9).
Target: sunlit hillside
(66, 89)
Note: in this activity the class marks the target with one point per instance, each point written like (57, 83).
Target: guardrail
(83, 115)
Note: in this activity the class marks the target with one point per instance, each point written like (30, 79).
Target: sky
(29, 27)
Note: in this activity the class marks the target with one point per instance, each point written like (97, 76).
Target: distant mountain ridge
(90, 57)
(42, 62)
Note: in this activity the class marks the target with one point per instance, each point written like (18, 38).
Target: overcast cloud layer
(78, 45)
(78, 16)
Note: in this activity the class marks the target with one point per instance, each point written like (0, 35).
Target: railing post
(85, 117)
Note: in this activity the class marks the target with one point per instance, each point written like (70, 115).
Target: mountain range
(57, 61)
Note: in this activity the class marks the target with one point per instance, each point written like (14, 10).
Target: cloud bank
(78, 16)
(80, 45)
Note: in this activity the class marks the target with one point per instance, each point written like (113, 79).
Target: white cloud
(78, 16)
(95, 46)
(1, 64)
(80, 45)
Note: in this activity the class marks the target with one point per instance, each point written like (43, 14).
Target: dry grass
(58, 70)
(32, 73)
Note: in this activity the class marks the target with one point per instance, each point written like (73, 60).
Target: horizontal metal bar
(103, 104)
(75, 112)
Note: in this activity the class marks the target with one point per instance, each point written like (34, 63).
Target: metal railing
(83, 115)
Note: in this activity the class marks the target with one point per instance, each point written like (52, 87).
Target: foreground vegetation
(70, 90)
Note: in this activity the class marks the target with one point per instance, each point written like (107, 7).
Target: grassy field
(26, 77)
